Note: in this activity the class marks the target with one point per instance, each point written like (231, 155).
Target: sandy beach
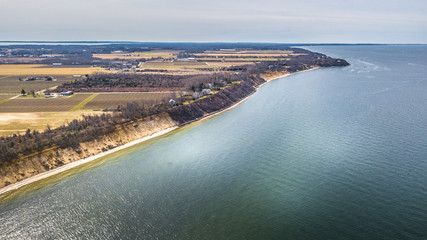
(69, 166)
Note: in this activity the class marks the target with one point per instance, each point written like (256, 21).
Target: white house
(206, 91)
(197, 95)
(67, 93)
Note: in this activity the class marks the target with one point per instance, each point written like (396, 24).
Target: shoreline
(52, 172)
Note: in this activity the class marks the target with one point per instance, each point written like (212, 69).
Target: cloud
(190, 20)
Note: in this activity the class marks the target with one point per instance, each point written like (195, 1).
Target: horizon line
(201, 42)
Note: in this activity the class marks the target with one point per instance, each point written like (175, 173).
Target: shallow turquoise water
(338, 153)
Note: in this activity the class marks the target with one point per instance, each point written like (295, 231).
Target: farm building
(197, 95)
(206, 91)
(56, 64)
(186, 59)
(47, 93)
(67, 93)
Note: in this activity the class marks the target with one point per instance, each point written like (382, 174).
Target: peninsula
(131, 93)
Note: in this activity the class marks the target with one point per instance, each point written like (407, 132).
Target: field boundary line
(84, 102)
(5, 77)
(7, 99)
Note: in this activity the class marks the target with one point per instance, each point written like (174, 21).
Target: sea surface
(336, 153)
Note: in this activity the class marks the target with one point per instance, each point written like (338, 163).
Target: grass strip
(5, 100)
(84, 102)
(5, 77)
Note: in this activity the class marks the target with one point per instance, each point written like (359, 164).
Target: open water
(336, 153)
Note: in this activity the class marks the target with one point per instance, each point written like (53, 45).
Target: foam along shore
(57, 170)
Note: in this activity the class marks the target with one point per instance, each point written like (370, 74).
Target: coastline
(52, 172)
(38, 177)
(288, 74)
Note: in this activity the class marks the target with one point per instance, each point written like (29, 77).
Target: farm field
(29, 105)
(12, 85)
(188, 66)
(227, 64)
(113, 100)
(11, 123)
(4, 60)
(263, 52)
(10, 74)
(4, 97)
(98, 101)
(254, 54)
(18, 114)
(45, 70)
(237, 59)
(139, 55)
(215, 60)
(237, 55)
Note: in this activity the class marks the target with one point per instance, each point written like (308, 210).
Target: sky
(282, 21)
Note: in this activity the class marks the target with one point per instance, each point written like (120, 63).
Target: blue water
(337, 153)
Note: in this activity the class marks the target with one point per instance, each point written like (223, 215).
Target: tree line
(124, 82)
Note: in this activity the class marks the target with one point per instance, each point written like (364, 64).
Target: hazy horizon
(203, 42)
(272, 21)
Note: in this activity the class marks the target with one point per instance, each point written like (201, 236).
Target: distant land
(201, 43)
